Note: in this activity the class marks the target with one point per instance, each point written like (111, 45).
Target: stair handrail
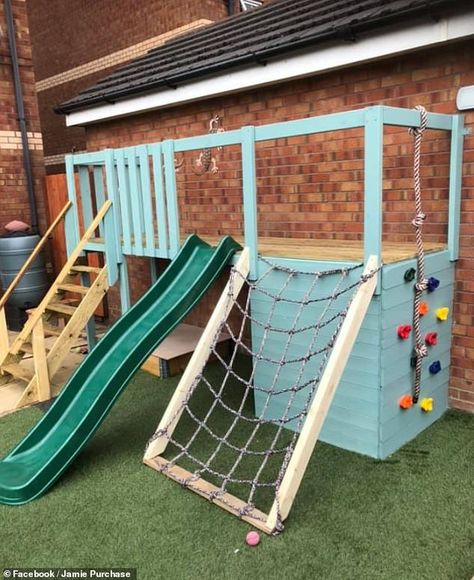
(65, 270)
(4, 341)
(32, 257)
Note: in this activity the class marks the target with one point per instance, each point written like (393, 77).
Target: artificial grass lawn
(410, 517)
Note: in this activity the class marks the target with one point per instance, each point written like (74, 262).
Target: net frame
(297, 462)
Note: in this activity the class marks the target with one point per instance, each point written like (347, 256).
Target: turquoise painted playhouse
(144, 220)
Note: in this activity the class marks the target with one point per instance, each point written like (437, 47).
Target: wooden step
(90, 269)
(27, 348)
(50, 330)
(72, 301)
(18, 371)
(61, 308)
(73, 288)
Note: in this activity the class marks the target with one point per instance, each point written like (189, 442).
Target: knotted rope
(418, 221)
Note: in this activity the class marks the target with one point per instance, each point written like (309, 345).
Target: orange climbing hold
(406, 402)
(442, 313)
(426, 404)
(403, 331)
(423, 308)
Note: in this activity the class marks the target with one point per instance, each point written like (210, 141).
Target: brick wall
(13, 196)
(70, 55)
(313, 186)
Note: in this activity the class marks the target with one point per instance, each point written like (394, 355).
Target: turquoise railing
(141, 182)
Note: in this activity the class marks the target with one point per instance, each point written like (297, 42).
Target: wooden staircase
(63, 314)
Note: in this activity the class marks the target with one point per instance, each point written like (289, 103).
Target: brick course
(313, 186)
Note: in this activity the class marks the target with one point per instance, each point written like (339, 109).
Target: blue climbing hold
(409, 275)
(433, 283)
(435, 367)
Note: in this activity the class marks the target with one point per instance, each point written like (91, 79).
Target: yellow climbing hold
(426, 404)
(442, 313)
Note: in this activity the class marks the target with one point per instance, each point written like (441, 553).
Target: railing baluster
(86, 195)
(155, 150)
(124, 195)
(142, 152)
(135, 202)
(171, 197)
(113, 245)
(98, 173)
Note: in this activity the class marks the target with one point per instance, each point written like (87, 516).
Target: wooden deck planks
(333, 250)
(326, 250)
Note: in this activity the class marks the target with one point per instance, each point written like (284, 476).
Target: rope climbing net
(281, 339)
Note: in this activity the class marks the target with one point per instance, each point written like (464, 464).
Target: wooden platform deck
(324, 249)
(331, 250)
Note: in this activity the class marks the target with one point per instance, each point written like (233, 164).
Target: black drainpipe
(230, 7)
(20, 107)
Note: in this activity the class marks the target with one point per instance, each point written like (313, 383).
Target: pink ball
(253, 539)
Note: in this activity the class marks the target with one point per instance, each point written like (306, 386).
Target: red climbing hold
(403, 331)
(431, 338)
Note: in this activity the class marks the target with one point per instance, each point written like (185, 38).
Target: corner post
(71, 221)
(249, 179)
(455, 179)
(373, 189)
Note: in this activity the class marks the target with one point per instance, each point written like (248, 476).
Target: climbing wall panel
(397, 425)
(365, 415)
(352, 422)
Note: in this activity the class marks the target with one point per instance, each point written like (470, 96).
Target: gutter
(20, 107)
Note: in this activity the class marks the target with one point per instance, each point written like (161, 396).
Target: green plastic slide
(46, 452)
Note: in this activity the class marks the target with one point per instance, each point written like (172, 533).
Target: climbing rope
(421, 283)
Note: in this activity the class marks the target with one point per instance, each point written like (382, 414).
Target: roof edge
(374, 46)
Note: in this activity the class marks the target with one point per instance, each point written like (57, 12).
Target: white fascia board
(391, 42)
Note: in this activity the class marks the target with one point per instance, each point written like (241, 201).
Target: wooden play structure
(388, 354)
(142, 184)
